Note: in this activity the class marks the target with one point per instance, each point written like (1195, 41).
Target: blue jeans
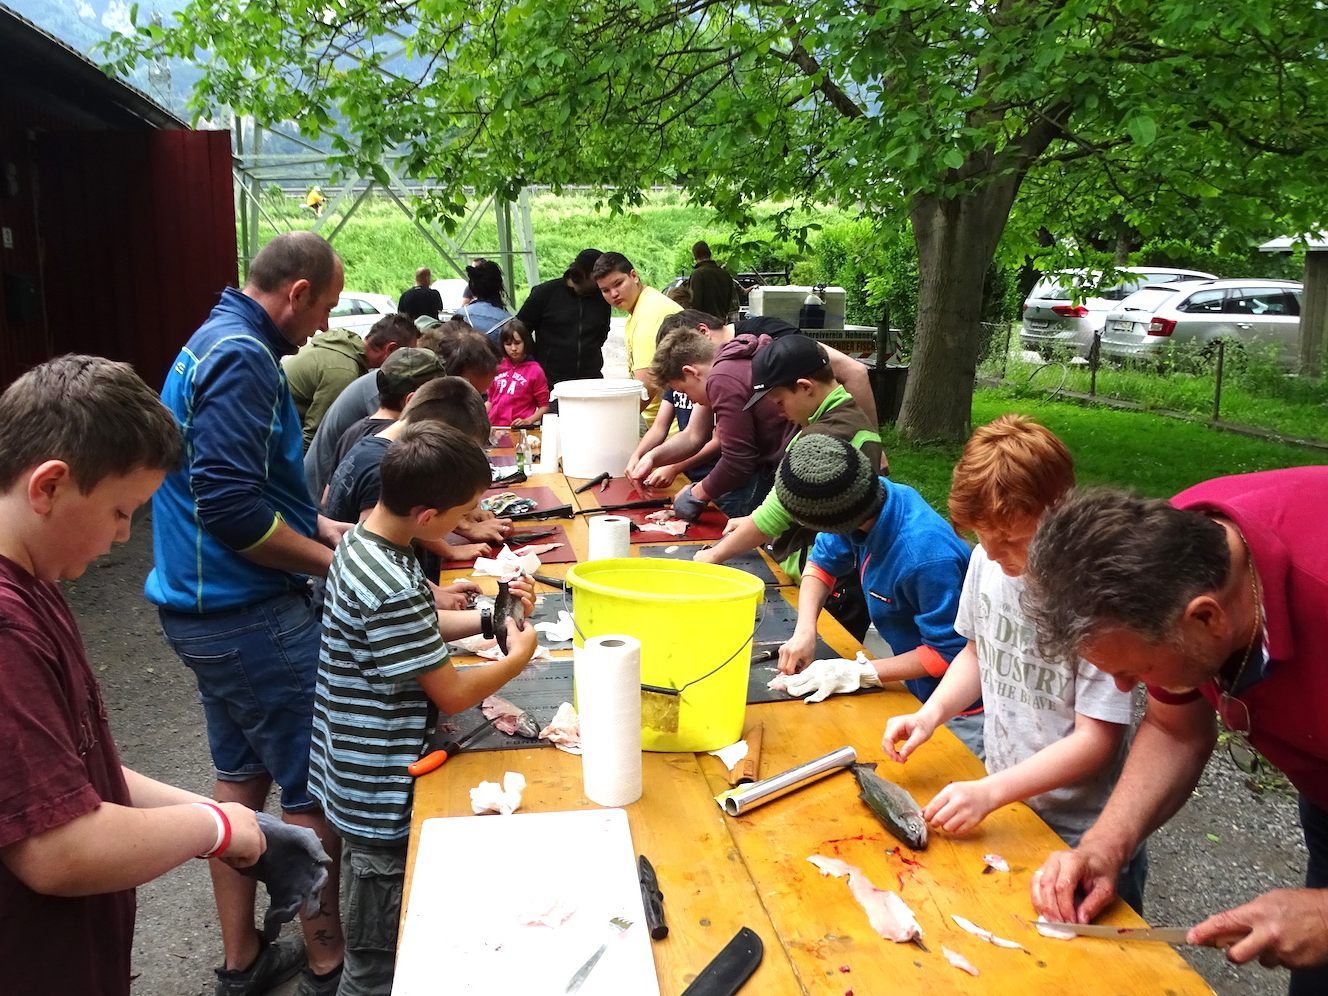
(1314, 821)
(744, 499)
(256, 667)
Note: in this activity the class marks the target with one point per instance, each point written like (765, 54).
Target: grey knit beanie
(825, 484)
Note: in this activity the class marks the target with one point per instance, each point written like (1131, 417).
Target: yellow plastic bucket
(695, 623)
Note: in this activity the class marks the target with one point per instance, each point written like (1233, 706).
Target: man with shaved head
(421, 299)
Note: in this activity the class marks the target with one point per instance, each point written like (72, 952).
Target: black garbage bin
(888, 384)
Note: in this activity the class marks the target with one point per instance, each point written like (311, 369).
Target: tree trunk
(956, 239)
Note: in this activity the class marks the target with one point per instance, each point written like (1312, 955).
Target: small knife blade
(1165, 935)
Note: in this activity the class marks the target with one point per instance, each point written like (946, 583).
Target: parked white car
(452, 290)
(360, 312)
(1254, 314)
(1053, 320)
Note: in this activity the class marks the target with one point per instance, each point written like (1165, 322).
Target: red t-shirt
(1281, 515)
(57, 762)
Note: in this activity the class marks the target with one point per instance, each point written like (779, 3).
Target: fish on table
(894, 807)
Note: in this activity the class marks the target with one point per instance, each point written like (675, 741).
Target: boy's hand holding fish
(961, 806)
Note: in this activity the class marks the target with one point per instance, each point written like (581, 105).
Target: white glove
(830, 677)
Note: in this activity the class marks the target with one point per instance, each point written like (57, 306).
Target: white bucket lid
(599, 387)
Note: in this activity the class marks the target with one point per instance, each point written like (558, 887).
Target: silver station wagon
(1256, 314)
(1053, 320)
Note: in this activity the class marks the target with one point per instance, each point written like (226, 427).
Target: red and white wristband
(223, 840)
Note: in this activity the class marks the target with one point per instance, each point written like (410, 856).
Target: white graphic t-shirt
(1030, 702)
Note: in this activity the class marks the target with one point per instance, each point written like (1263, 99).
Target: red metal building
(117, 222)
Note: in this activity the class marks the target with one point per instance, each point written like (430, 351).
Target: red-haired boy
(1054, 731)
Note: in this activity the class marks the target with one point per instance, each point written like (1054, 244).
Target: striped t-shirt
(380, 633)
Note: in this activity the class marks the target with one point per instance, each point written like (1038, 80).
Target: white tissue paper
(564, 730)
(731, 754)
(507, 566)
(490, 797)
(560, 630)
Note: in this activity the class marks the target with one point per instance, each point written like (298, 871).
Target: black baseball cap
(787, 359)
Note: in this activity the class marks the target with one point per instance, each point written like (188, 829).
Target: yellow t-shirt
(652, 307)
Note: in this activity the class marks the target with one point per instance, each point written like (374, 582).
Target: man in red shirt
(1218, 602)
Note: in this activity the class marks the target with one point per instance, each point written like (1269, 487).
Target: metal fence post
(1094, 353)
(1217, 388)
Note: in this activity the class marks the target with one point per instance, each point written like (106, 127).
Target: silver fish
(893, 806)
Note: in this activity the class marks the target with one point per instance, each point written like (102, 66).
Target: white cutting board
(478, 879)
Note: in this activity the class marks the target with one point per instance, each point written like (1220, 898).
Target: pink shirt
(517, 391)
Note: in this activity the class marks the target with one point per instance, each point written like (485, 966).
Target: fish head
(915, 830)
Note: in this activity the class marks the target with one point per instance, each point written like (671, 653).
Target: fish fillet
(508, 716)
(996, 863)
(1052, 932)
(886, 912)
(986, 935)
(958, 961)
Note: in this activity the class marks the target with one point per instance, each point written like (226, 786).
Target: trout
(893, 806)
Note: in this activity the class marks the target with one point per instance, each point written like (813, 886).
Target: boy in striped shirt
(384, 674)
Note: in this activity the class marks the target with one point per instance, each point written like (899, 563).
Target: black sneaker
(313, 985)
(276, 962)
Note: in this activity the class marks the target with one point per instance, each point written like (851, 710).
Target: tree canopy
(1138, 113)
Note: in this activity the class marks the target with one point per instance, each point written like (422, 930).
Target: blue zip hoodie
(912, 567)
(242, 471)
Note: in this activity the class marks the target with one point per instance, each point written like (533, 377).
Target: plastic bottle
(522, 452)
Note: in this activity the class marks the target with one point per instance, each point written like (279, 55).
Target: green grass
(1149, 454)
(1254, 391)
(381, 247)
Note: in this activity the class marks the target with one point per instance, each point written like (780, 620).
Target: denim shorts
(256, 668)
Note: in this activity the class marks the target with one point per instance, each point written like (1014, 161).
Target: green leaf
(1142, 129)
(953, 158)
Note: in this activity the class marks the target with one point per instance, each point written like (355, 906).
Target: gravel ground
(1227, 845)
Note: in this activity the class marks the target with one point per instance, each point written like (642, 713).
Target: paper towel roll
(548, 461)
(610, 537)
(607, 673)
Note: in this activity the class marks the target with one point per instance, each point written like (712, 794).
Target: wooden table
(719, 873)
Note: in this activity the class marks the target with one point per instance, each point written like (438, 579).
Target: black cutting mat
(752, 562)
(540, 689)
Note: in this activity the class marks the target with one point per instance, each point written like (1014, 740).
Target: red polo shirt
(1281, 514)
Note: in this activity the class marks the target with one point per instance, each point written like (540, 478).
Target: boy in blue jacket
(909, 559)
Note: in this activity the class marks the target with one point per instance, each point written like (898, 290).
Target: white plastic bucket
(599, 425)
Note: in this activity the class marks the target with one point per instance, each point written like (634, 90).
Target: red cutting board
(563, 555)
(619, 489)
(545, 498)
(705, 529)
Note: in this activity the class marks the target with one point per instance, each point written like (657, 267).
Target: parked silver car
(1254, 313)
(1054, 320)
(360, 311)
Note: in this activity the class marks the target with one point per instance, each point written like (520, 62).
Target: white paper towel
(548, 461)
(607, 673)
(610, 537)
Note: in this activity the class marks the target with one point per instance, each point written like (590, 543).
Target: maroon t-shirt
(57, 762)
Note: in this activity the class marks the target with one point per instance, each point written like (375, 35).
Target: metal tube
(737, 801)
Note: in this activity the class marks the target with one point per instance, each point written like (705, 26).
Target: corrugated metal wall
(137, 234)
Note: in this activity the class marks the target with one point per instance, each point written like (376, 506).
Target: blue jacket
(912, 567)
(242, 468)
